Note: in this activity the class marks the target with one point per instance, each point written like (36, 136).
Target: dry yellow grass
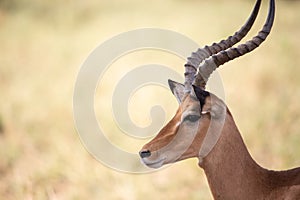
(42, 47)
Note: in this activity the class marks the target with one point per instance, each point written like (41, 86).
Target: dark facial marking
(201, 95)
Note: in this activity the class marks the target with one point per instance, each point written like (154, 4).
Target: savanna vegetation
(42, 46)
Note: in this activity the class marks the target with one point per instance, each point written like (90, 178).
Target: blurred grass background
(43, 43)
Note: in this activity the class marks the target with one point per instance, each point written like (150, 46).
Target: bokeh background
(42, 45)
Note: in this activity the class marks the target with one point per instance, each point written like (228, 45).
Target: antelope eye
(191, 118)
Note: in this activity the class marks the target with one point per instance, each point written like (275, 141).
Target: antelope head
(201, 116)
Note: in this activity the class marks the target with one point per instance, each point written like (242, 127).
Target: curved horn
(210, 64)
(197, 57)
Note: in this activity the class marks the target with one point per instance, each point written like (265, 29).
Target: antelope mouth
(154, 164)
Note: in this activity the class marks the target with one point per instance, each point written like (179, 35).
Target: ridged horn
(210, 64)
(201, 54)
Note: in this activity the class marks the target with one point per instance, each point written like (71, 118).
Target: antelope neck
(230, 170)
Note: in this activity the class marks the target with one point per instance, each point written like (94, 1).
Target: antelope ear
(177, 89)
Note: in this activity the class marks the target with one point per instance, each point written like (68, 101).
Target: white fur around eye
(205, 112)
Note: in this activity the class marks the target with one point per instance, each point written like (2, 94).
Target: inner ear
(201, 95)
(177, 89)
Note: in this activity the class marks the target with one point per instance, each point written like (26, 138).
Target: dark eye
(191, 118)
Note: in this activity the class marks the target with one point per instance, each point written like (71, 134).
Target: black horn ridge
(210, 64)
(201, 54)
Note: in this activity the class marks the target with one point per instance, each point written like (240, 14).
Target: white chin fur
(153, 164)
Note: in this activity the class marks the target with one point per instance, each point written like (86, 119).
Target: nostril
(145, 153)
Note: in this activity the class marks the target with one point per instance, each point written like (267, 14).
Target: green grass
(42, 48)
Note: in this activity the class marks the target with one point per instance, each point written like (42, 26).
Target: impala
(203, 127)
